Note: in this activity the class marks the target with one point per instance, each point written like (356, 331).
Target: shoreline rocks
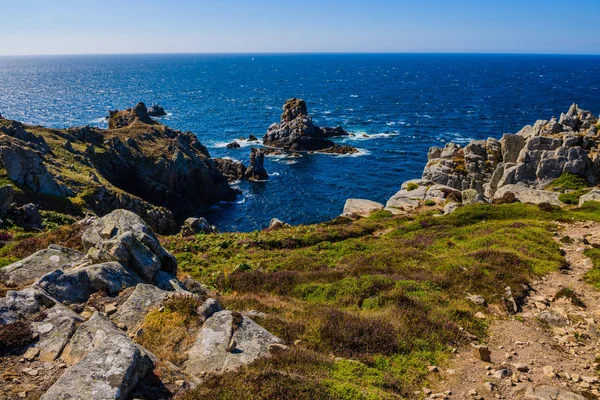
(156, 111)
(137, 163)
(235, 170)
(518, 167)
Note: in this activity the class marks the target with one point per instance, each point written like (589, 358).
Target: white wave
(99, 120)
(359, 136)
(242, 143)
(354, 95)
(281, 156)
(359, 153)
(242, 201)
(455, 137)
(274, 174)
(230, 158)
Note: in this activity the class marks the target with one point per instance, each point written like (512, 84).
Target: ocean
(397, 105)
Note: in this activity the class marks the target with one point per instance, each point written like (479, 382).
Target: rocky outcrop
(227, 341)
(527, 195)
(162, 166)
(360, 207)
(235, 170)
(111, 369)
(126, 273)
(39, 264)
(18, 131)
(120, 119)
(296, 131)
(276, 223)
(519, 165)
(123, 236)
(592, 195)
(194, 226)
(25, 166)
(412, 196)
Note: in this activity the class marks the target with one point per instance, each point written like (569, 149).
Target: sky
(30, 27)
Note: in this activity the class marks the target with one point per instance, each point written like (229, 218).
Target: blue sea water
(405, 103)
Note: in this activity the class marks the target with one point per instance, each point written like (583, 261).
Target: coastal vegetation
(371, 303)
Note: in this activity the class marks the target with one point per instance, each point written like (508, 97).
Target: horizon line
(271, 53)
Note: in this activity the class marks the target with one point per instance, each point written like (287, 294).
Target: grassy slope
(372, 302)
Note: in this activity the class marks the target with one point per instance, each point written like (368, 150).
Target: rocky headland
(137, 163)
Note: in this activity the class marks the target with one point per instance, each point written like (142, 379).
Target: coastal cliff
(137, 164)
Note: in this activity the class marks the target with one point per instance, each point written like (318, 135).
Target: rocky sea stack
(297, 132)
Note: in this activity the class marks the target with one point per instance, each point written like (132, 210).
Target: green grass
(593, 275)
(387, 294)
(412, 186)
(568, 293)
(571, 187)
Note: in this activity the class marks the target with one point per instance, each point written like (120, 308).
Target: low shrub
(412, 186)
(169, 333)
(353, 335)
(295, 374)
(15, 335)
(567, 181)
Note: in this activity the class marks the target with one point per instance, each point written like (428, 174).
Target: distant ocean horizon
(396, 104)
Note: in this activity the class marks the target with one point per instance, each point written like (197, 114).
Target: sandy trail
(556, 359)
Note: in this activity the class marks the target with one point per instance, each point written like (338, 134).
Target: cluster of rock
(518, 167)
(531, 158)
(27, 216)
(234, 170)
(94, 350)
(138, 164)
(297, 132)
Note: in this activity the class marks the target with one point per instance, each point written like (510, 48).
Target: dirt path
(555, 359)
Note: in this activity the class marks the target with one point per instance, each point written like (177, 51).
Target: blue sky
(253, 26)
